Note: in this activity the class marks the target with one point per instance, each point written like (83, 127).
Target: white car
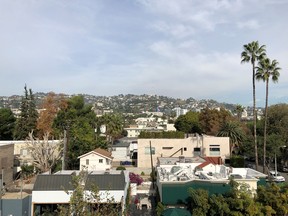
(276, 177)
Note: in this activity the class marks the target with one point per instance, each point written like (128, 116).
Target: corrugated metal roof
(63, 182)
(106, 181)
(53, 182)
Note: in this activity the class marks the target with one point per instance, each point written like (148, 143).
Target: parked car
(276, 177)
(285, 169)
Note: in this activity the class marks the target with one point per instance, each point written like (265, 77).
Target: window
(214, 150)
(147, 150)
(87, 161)
(185, 149)
(167, 148)
(197, 151)
(100, 160)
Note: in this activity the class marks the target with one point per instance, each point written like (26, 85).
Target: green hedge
(162, 135)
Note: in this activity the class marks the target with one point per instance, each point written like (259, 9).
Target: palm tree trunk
(265, 128)
(255, 118)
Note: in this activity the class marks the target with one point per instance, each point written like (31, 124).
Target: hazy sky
(177, 48)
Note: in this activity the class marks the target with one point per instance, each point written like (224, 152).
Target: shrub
(27, 171)
(134, 178)
(120, 168)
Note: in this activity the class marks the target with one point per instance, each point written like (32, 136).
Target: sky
(174, 48)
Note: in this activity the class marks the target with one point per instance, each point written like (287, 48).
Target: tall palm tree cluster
(262, 70)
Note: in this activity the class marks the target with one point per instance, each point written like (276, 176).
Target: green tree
(78, 120)
(27, 120)
(252, 54)
(235, 133)
(199, 201)
(7, 124)
(266, 69)
(218, 205)
(160, 208)
(274, 199)
(188, 123)
(88, 204)
(212, 119)
(277, 123)
(239, 110)
(113, 124)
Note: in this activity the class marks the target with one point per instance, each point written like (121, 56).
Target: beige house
(24, 156)
(98, 159)
(205, 146)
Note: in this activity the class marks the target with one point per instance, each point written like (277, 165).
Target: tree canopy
(49, 109)
(212, 119)
(27, 120)
(7, 124)
(78, 120)
(188, 123)
(270, 200)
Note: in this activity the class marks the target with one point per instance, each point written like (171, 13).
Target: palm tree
(234, 131)
(253, 53)
(113, 127)
(239, 110)
(266, 69)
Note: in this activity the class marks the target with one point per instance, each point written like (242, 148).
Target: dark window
(214, 150)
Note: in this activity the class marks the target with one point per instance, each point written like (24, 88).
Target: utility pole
(152, 176)
(1, 190)
(64, 151)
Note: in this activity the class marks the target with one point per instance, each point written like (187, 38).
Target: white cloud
(176, 30)
(183, 48)
(250, 24)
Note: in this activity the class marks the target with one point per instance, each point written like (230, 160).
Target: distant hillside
(127, 103)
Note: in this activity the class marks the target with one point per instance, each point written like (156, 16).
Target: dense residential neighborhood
(111, 163)
(143, 108)
(133, 104)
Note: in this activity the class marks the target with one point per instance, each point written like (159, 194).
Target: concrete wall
(180, 147)
(120, 153)
(7, 162)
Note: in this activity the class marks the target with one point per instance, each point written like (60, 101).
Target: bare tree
(45, 153)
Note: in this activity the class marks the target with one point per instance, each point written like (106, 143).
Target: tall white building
(179, 111)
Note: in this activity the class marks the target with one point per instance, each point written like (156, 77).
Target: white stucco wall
(50, 197)
(94, 163)
(63, 197)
